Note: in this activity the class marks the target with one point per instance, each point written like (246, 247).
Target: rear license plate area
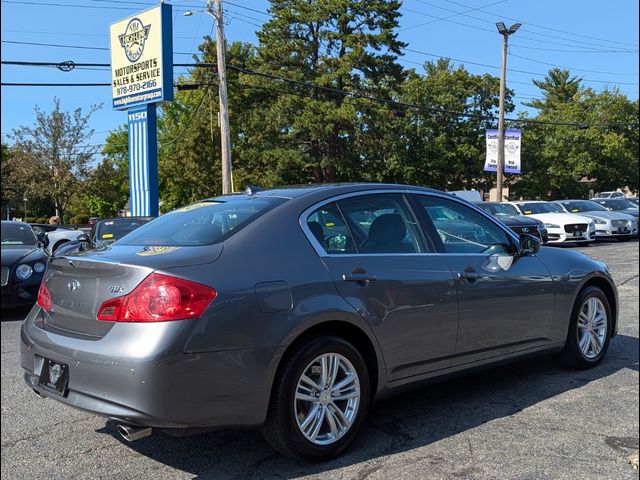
(54, 377)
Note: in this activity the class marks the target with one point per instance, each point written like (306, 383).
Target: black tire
(58, 245)
(281, 429)
(572, 355)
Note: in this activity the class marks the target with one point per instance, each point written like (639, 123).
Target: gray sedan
(293, 309)
(609, 224)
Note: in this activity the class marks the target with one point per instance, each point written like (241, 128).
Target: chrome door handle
(469, 274)
(358, 277)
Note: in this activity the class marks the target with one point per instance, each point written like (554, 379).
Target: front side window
(382, 223)
(464, 230)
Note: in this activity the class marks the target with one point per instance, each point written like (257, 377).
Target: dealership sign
(512, 145)
(142, 58)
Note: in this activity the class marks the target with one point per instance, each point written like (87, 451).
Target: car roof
(15, 222)
(529, 201)
(297, 191)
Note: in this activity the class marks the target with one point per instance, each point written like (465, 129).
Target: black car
(508, 215)
(103, 232)
(23, 262)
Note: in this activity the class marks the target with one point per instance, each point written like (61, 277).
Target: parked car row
(568, 221)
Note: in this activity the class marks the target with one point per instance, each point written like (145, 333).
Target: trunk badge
(73, 285)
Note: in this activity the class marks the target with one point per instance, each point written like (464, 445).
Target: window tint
(115, 229)
(201, 223)
(462, 229)
(382, 224)
(328, 227)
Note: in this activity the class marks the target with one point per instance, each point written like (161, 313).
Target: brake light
(44, 296)
(159, 298)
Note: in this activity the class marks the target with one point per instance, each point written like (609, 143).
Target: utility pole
(225, 136)
(502, 29)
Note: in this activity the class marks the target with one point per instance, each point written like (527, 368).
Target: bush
(31, 219)
(41, 220)
(54, 220)
(79, 219)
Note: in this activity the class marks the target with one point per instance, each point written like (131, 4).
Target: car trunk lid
(80, 284)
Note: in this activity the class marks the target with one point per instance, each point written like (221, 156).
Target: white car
(57, 235)
(609, 195)
(562, 226)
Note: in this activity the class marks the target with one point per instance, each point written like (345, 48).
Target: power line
(481, 9)
(578, 42)
(468, 62)
(570, 68)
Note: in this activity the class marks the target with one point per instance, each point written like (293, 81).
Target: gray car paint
(217, 370)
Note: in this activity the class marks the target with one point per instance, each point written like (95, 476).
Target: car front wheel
(319, 400)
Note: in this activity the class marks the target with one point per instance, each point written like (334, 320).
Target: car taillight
(44, 297)
(159, 298)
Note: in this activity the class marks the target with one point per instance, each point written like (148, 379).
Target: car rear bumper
(158, 385)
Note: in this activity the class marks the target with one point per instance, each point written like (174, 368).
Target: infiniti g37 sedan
(293, 309)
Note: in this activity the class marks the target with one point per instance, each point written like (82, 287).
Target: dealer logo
(133, 38)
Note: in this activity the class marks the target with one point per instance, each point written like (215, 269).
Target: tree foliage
(52, 155)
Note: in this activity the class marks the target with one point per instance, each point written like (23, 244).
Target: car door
(506, 301)
(379, 262)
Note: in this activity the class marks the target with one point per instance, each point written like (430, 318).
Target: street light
(225, 136)
(25, 208)
(505, 32)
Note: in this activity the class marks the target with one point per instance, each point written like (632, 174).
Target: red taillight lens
(44, 297)
(159, 298)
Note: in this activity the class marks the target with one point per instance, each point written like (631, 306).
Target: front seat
(385, 235)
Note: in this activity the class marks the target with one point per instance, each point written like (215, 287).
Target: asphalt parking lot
(529, 420)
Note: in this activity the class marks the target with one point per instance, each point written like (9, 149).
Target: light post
(225, 136)
(24, 199)
(502, 29)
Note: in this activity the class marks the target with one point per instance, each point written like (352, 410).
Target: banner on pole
(512, 145)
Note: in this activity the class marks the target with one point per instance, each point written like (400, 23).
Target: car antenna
(251, 189)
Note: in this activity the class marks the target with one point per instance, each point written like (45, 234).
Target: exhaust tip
(131, 434)
(38, 393)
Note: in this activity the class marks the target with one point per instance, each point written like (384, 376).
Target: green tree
(54, 153)
(346, 45)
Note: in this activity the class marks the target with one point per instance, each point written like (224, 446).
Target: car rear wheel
(319, 400)
(589, 331)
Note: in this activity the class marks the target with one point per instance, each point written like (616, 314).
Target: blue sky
(596, 40)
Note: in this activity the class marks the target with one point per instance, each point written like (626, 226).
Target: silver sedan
(609, 224)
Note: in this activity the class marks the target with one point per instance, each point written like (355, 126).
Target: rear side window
(330, 230)
(382, 223)
(202, 223)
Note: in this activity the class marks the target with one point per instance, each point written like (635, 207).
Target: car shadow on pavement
(398, 424)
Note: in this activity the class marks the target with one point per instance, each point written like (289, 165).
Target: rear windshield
(202, 223)
(15, 234)
(116, 229)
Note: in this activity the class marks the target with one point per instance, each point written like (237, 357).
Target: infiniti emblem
(73, 285)
(525, 230)
(54, 373)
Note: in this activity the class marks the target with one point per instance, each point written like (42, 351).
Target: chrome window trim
(302, 220)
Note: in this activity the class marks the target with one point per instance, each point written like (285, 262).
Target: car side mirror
(528, 245)
(43, 239)
(84, 238)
